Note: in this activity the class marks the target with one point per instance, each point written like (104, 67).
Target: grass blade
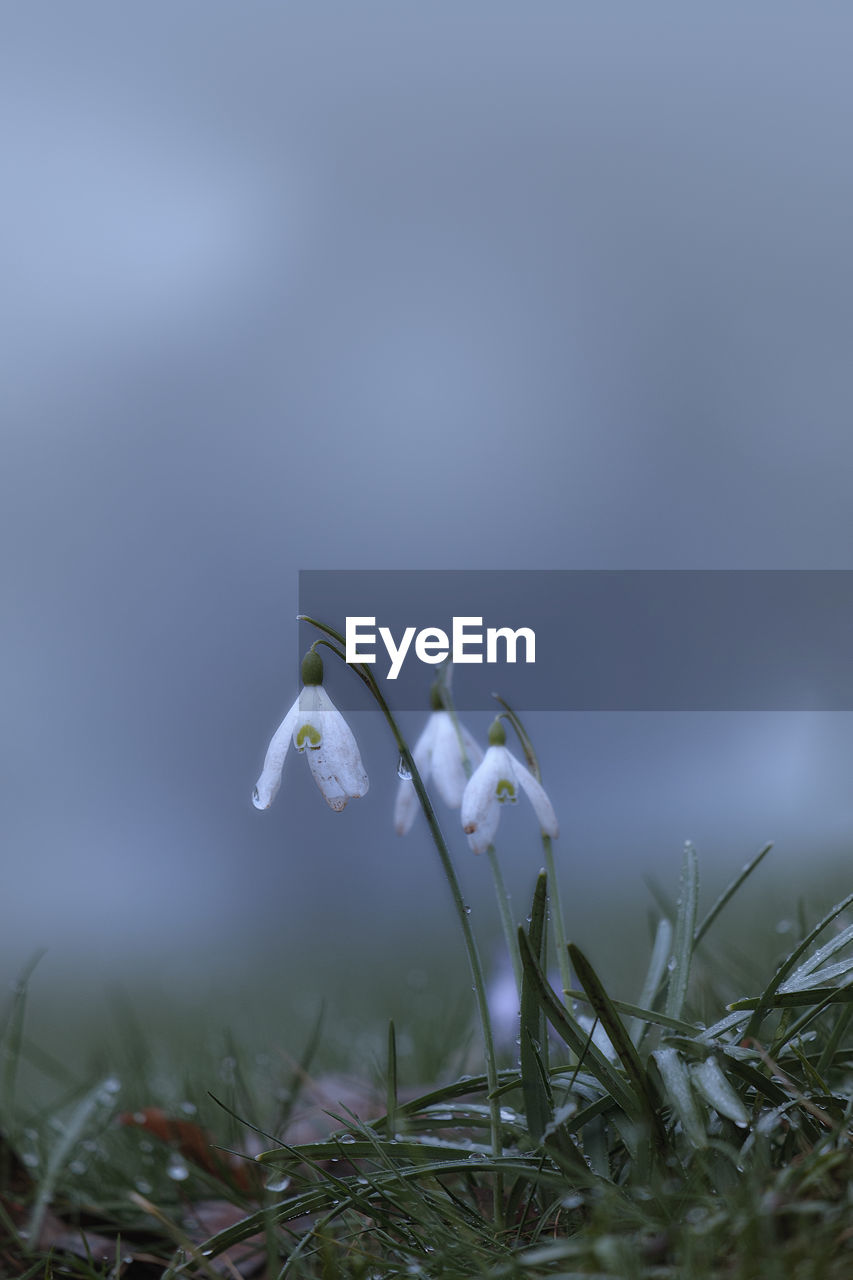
(709, 1080)
(71, 1136)
(676, 1082)
(534, 1042)
(654, 977)
(787, 965)
(391, 1081)
(578, 1040)
(623, 1045)
(729, 892)
(685, 924)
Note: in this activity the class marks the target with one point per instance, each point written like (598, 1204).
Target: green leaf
(578, 1040)
(391, 1080)
(709, 1080)
(534, 1042)
(623, 1045)
(766, 1000)
(654, 977)
(729, 892)
(676, 1082)
(685, 924)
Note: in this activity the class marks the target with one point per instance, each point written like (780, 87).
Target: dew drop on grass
(277, 1183)
(30, 1159)
(143, 1187)
(404, 773)
(112, 1084)
(177, 1170)
(189, 1108)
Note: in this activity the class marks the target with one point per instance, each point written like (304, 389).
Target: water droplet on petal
(403, 770)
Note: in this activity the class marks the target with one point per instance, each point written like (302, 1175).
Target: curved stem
(462, 910)
(501, 891)
(560, 940)
(505, 909)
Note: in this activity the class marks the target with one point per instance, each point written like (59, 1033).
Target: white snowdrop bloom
(437, 755)
(497, 781)
(319, 730)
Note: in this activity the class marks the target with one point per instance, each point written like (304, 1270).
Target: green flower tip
(497, 733)
(312, 668)
(435, 701)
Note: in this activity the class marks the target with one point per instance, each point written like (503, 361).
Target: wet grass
(697, 1125)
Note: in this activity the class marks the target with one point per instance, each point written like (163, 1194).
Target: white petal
(424, 747)
(535, 792)
(480, 811)
(475, 751)
(447, 767)
(341, 749)
(405, 806)
(406, 803)
(270, 780)
(335, 762)
(323, 770)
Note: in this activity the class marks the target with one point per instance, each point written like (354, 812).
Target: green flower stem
(456, 892)
(501, 891)
(505, 909)
(560, 941)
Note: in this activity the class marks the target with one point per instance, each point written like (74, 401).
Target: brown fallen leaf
(196, 1145)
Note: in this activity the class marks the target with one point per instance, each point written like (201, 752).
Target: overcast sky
(374, 286)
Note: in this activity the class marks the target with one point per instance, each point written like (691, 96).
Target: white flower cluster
(495, 779)
(318, 729)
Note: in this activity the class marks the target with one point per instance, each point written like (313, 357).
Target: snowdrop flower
(438, 754)
(496, 782)
(318, 729)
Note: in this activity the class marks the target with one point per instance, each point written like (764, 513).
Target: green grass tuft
(694, 1133)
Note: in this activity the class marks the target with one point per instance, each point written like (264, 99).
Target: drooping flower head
(437, 754)
(318, 729)
(497, 781)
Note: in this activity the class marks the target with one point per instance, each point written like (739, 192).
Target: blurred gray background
(393, 287)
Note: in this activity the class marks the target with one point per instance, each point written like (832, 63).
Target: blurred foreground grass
(676, 1138)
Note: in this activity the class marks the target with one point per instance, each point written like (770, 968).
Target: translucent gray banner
(605, 640)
